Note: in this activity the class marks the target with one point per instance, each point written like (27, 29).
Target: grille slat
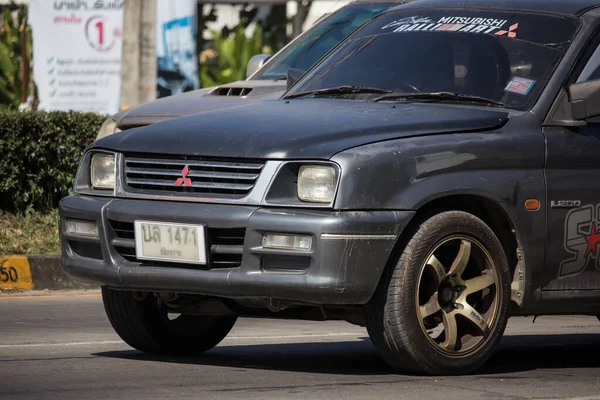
(191, 177)
(226, 249)
(203, 185)
(125, 243)
(177, 173)
(226, 245)
(195, 163)
(226, 264)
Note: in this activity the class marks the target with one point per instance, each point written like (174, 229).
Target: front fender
(405, 174)
(503, 166)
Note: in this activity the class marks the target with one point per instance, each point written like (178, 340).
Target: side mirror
(255, 63)
(585, 100)
(293, 75)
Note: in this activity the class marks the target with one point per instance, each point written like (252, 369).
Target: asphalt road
(63, 347)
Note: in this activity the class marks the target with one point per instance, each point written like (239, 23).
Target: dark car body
(269, 80)
(396, 163)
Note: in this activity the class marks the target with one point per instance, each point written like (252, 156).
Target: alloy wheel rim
(457, 295)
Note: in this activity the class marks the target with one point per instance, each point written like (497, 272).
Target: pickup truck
(432, 176)
(266, 74)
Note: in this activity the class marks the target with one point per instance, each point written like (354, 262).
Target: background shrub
(39, 156)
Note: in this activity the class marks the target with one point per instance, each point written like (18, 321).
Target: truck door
(573, 212)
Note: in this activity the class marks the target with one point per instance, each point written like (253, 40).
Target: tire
(143, 326)
(398, 316)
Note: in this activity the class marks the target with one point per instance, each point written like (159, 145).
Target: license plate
(163, 241)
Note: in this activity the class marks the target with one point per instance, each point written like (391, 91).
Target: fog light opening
(82, 228)
(287, 242)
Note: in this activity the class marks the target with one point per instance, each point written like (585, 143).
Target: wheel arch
(491, 213)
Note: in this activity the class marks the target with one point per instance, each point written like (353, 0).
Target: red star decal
(593, 239)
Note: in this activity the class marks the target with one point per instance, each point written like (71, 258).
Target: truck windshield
(315, 43)
(506, 57)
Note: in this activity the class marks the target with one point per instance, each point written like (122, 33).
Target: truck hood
(300, 128)
(201, 100)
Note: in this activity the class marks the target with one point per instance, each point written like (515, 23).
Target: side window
(592, 68)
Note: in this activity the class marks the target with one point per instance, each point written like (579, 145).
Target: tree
(15, 56)
(227, 60)
(301, 15)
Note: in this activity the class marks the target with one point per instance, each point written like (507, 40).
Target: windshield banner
(454, 24)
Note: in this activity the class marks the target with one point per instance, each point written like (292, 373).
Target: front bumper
(349, 253)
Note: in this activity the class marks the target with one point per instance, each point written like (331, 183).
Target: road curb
(36, 272)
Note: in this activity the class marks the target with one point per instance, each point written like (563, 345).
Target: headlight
(316, 183)
(108, 128)
(102, 171)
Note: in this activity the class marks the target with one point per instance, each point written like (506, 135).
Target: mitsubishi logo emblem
(511, 31)
(183, 181)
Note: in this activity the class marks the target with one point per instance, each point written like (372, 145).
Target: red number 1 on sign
(100, 27)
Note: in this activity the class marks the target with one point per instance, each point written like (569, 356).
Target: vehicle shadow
(515, 354)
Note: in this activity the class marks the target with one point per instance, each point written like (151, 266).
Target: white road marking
(317, 335)
(60, 344)
(575, 398)
(307, 335)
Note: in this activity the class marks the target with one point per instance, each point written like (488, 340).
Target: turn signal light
(81, 228)
(532, 204)
(287, 242)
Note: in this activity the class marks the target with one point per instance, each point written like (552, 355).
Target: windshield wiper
(439, 96)
(340, 90)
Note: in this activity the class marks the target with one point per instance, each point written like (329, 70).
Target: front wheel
(146, 326)
(444, 307)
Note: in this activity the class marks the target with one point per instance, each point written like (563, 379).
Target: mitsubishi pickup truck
(431, 177)
(266, 74)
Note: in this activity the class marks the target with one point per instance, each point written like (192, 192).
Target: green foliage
(40, 153)
(35, 233)
(231, 56)
(14, 34)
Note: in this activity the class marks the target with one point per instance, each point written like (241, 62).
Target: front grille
(191, 177)
(226, 246)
